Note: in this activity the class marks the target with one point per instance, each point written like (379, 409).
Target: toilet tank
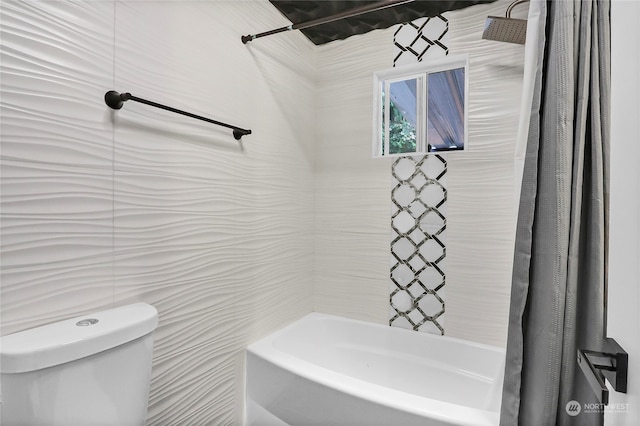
(86, 371)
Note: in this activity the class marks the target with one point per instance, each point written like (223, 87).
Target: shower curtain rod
(342, 15)
(115, 100)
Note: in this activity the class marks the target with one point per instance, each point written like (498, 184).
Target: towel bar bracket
(611, 363)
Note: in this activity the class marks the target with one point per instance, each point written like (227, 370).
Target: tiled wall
(480, 182)
(228, 240)
(351, 276)
(418, 243)
(103, 208)
(419, 204)
(352, 250)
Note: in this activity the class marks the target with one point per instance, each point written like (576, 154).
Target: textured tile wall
(352, 189)
(57, 148)
(352, 247)
(103, 208)
(481, 202)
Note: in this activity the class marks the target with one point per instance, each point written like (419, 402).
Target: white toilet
(86, 371)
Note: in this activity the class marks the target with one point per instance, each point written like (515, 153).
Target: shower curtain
(559, 272)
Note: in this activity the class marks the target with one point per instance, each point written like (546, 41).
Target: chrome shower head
(508, 29)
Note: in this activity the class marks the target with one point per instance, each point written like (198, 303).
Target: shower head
(508, 29)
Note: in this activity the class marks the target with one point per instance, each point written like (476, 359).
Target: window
(421, 108)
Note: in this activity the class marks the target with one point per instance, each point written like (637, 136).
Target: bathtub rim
(392, 398)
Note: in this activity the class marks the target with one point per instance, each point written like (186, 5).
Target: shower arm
(341, 15)
(115, 100)
(512, 5)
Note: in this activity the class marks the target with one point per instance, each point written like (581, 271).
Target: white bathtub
(326, 370)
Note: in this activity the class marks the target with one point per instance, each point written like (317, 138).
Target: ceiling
(299, 11)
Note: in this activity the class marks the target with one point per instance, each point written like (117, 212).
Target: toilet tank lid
(75, 338)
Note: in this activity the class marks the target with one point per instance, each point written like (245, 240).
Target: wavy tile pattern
(352, 248)
(481, 216)
(352, 189)
(56, 160)
(104, 208)
(228, 240)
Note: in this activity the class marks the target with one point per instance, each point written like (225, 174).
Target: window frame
(420, 71)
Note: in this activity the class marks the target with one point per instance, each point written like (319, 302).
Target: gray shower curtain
(557, 298)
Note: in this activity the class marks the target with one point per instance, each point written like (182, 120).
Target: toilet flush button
(86, 322)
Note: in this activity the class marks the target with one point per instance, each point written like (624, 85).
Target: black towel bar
(115, 100)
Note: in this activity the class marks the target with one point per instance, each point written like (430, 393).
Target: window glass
(403, 114)
(445, 111)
